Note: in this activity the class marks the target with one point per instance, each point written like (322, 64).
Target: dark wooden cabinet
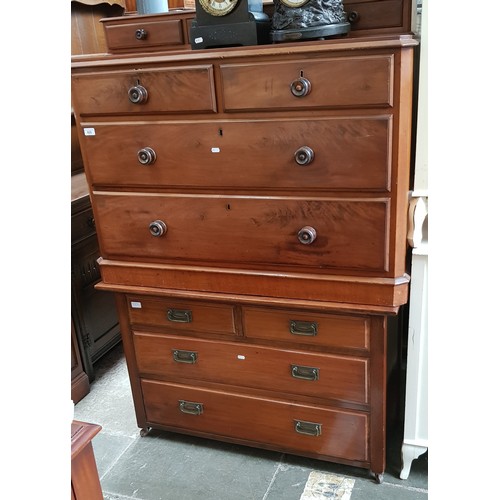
(93, 312)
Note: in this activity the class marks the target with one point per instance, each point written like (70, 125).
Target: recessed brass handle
(137, 94)
(190, 408)
(304, 155)
(306, 235)
(141, 34)
(189, 357)
(307, 328)
(180, 315)
(304, 372)
(146, 156)
(300, 87)
(157, 228)
(307, 428)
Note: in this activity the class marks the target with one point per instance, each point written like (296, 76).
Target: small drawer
(341, 82)
(167, 90)
(339, 153)
(382, 15)
(293, 372)
(181, 316)
(82, 225)
(350, 332)
(145, 35)
(272, 422)
(277, 231)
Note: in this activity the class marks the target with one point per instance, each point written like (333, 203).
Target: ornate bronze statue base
(315, 32)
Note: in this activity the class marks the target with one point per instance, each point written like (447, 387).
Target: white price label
(89, 131)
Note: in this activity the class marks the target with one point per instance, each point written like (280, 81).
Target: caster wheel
(378, 476)
(145, 431)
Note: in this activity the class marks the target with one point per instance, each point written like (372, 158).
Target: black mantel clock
(228, 23)
(295, 20)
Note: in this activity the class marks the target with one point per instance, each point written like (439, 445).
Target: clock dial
(218, 7)
(294, 3)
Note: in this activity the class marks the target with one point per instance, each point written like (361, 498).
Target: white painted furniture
(415, 439)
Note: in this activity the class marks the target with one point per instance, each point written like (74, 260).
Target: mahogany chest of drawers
(250, 205)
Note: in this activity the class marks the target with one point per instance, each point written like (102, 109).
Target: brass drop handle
(306, 235)
(307, 428)
(189, 357)
(141, 34)
(180, 315)
(137, 94)
(190, 407)
(146, 156)
(157, 228)
(300, 87)
(304, 155)
(304, 372)
(306, 328)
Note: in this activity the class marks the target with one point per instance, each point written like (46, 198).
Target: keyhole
(228, 207)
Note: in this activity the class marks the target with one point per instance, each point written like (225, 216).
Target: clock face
(294, 3)
(218, 7)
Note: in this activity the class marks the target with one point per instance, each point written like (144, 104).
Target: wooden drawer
(380, 15)
(351, 332)
(157, 32)
(169, 90)
(361, 81)
(347, 153)
(243, 230)
(271, 422)
(145, 35)
(181, 316)
(294, 372)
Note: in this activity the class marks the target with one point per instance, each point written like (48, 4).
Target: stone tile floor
(168, 466)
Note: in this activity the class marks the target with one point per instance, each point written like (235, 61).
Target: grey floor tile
(165, 466)
(108, 449)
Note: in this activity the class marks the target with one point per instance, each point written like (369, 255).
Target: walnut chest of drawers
(250, 205)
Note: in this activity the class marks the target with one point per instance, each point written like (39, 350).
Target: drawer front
(377, 14)
(145, 35)
(287, 425)
(181, 316)
(172, 90)
(232, 229)
(294, 372)
(339, 153)
(307, 328)
(340, 82)
(82, 225)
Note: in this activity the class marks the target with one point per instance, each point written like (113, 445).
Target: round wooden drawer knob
(137, 94)
(146, 156)
(306, 235)
(157, 228)
(300, 87)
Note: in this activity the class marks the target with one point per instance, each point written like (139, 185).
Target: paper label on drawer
(136, 305)
(89, 131)
(240, 356)
(198, 40)
(215, 150)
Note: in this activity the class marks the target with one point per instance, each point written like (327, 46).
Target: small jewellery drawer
(306, 84)
(383, 15)
(341, 153)
(321, 232)
(166, 90)
(146, 34)
(294, 372)
(351, 332)
(181, 316)
(289, 426)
